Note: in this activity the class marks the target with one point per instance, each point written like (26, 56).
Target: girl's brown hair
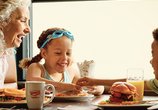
(26, 62)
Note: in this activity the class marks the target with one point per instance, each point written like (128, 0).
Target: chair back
(11, 75)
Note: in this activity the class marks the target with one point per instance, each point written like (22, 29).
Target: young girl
(56, 48)
(149, 84)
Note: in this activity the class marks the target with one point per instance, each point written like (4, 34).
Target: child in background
(153, 83)
(149, 84)
(55, 46)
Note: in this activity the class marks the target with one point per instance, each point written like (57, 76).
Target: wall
(117, 35)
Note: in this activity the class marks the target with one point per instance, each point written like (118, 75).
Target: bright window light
(117, 35)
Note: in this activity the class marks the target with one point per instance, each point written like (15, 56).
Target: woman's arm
(34, 72)
(11, 74)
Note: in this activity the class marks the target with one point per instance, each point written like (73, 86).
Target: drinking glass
(135, 76)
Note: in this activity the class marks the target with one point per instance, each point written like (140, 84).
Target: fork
(12, 107)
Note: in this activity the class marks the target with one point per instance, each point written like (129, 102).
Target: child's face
(58, 54)
(154, 60)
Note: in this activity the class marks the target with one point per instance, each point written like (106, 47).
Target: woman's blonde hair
(8, 6)
(6, 9)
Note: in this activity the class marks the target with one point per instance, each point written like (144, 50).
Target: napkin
(75, 107)
(154, 107)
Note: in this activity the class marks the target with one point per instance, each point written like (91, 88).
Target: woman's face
(58, 55)
(17, 27)
(154, 60)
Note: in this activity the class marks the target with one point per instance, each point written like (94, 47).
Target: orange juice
(140, 88)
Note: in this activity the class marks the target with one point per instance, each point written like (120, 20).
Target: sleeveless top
(3, 69)
(66, 78)
(4, 52)
(153, 85)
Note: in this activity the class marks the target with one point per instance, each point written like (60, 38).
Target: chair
(11, 75)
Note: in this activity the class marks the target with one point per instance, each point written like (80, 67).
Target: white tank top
(3, 69)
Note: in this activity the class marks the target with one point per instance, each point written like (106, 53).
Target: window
(117, 35)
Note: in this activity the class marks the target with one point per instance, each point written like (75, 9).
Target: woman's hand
(85, 81)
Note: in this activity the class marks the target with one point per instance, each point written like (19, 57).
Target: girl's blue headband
(57, 34)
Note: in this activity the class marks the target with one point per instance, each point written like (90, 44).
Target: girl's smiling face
(58, 54)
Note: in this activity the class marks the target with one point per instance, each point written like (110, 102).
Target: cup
(135, 76)
(86, 68)
(35, 94)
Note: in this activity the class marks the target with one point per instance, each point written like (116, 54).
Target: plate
(20, 104)
(15, 103)
(73, 98)
(141, 104)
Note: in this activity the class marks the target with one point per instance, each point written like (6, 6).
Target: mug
(35, 94)
(135, 76)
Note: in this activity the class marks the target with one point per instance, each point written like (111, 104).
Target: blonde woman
(14, 26)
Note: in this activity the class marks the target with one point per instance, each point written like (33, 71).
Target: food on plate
(122, 93)
(72, 93)
(12, 95)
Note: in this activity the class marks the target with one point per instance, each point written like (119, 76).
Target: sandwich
(12, 95)
(122, 92)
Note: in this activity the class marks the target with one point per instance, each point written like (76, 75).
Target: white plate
(73, 98)
(16, 103)
(19, 102)
(141, 104)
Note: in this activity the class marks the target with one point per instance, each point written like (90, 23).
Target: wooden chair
(11, 75)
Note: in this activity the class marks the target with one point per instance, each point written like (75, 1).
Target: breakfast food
(122, 92)
(72, 93)
(12, 95)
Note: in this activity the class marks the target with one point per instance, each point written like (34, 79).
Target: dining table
(89, 103)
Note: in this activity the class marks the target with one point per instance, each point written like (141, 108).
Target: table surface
(82, 105)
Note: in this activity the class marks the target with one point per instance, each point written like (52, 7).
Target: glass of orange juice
(135, 76)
